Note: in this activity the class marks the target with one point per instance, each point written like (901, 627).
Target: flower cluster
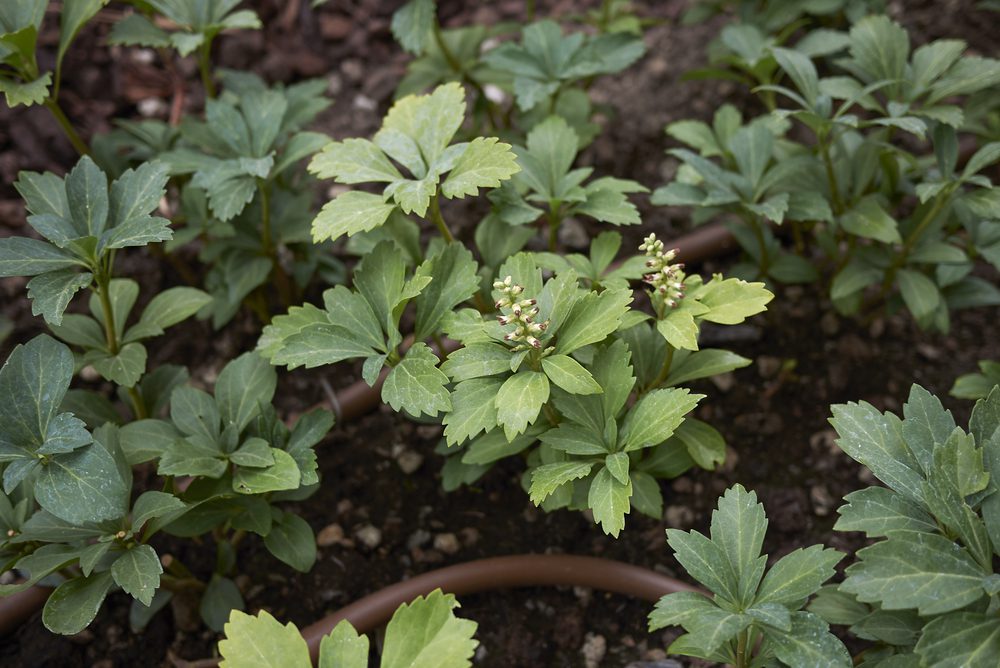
(666, 279)
(518, 312)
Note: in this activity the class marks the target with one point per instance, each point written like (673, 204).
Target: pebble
(364, 103)
(409, 461)
(369, 536)
(678, 516)
(332, 534)
(572, 234)
(829, 323)
(821, 499)
(657, 663)
(470, 536)
(724, 381)
(768, 366)
(418, 538)
(447, 543)
(593, 650)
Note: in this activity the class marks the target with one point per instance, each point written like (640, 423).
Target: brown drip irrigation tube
(528, 570)
(358, 399)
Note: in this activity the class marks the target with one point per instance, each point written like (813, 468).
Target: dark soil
(773, 413)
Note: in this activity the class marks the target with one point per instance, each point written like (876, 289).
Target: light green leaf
(454, 280)
(412, 25)
(519, 401)
(920, 294)
(476, 360)
(166, 309)
(473, 409)
(125, 368)
(704, 363)
(342, 648)
(354, 161)
(74, 14)
(869, 220)
(592, 319)
(138, 573)
(961, 640)
(569, 375)
(350, 213)
(431, 121)
(416, 385)
(547, 478)
(797, 575)
(485, 162)
(262, 642)
(679, 329)
(426, 634)
(655, 416)
(609, 501)
(732, 300)
(738, 526)
(283, 474)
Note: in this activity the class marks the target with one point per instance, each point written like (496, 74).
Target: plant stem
(530, 10)
(67, 127)
(265, 216)
(555, 218)
(439, 219)
(668, 361)
(110, 335)
(741, 650)
(455, 64)
(205, 67)
(890, 275)
(758, 231)
(138, 405)
(831, 176)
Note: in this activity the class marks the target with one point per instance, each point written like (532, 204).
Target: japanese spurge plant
(926, 592)
(416, 134)
(977, 385)
(67, 508)
(752, 617)
(424, 633)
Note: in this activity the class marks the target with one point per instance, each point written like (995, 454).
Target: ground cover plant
(483, 249)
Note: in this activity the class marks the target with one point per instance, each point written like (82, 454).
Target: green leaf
(877, 511)
(219, 599)
(244, 387)
(494, 446)
(655, 416)
(738, 526)
(485, 162)
(926, 425)
(703, 443)
(52, 291)
(166, 309)
(21, 256)
(29, 93)
(575, 439)
(704, 363)
(880, 47)
(592, 319)
(416, 385)
(74, 604)
(609, 500)
(646, 496)
(454, 280)
(75, 13)
(569, 375)
(876, 441)
(38, 373)
(292, 541)
(343, 648)
(354, 161)
(869, 220)
(87, 194)
(732, 300)
(151, 505)
(82, 486)
(194, 456)
(255, 453)
(138, 573)
(966, 639)
(679, 329)
(547, 478)
(853, 278)
(283, 474)
(912, 570)
(920, 294)
(262, 642)
(808, 643)
(798, 575)
(426, 634)
(125, 368)
(137, 30)
(430, 121)
(144, 440)
(519, 401)
(476, 360)
(350, 213)
(473, 409)
(412, 25)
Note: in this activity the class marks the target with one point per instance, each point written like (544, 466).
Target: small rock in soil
(418, 538)
(678, 516)
(447, 543)
(593, 650)
(409, 461)
(332, 534)
(829, 323)
(768, 366)
(724, 381)
(470, 536)
(369, 536)
(821, 499)
(660, 663)
(572, 234)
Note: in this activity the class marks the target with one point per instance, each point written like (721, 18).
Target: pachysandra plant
(750, 616)
(245, 199)
(21, 80)
(847, 193)
(416, 134)
(198, 22)
(977, 385)
(547, 179)
(85, 222)
(925, 594)
(67, 510)
(773, 16)
(424, 633)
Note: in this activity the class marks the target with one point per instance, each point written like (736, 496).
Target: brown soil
(774, 420)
